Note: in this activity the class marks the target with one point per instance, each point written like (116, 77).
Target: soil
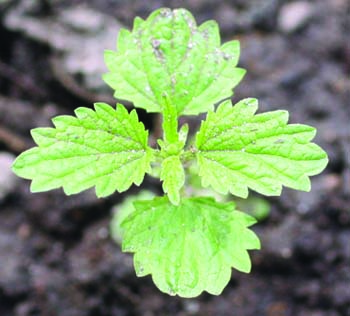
(56, 256)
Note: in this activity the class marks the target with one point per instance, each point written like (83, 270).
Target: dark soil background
(56, 256)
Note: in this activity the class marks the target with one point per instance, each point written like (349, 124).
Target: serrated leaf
(238, 150)
(106, 148)
(191, 247)
(168, 54)
(173, 176)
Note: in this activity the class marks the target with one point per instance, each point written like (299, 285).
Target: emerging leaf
(237, 150)
(191, 247)
(173, 176)
(168, 54)
(105, 148)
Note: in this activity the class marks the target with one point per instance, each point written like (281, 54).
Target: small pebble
(331, 182)
(294, 16)
(8, 179)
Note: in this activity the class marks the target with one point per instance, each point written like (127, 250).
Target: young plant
(168, 64)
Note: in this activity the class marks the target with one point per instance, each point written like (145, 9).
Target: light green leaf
(191, 247)
(173, 176)
(238, 150)
(168, 54)
(106, 148)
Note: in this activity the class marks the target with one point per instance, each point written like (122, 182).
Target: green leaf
(238, 150)
(168, 54)
(173, 176)
(191, 247)
(105, 148)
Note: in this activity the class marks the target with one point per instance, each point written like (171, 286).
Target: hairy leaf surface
(105, 148)
(238, 150)
(191, 247)
(168, 54)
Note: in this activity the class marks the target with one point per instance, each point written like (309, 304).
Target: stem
(188, 155)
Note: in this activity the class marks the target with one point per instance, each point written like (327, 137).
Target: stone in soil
(294, 15)
(8, 180)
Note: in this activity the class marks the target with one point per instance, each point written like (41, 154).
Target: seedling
(169, 65)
